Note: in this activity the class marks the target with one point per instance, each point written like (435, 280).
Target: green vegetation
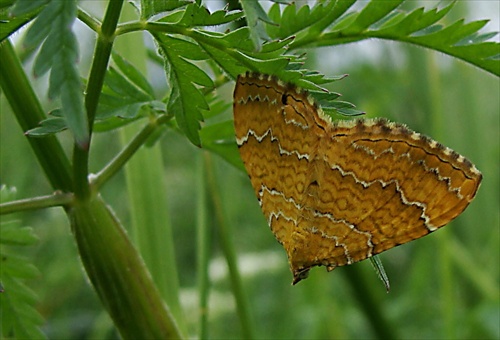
(119, 154)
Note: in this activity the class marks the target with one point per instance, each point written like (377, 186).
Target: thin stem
(96, 80)
(128, 27)
(55, 200)
(121, 158)
(89, 20)
(202, 250)
(229, 251)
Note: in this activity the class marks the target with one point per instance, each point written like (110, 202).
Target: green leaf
(319, 78)
(275, 48)
(217, 105)
(373, 12)
(379, 20)
(23, 7)
(234, 54)
(133, 74)
(188, 49)
(148, 8)
(14, 235)
(41, 27)
(59, 53)
(238, 39)
(7, 193)
(340, 8)
(11, 22)
(344, 108)
(416, 21)
(124, 88)
(255, 15)
(47, 127)
(220, 139)
(17, 266)
(324, 98)
(294, 20)
(185, 100)
(197, 15)
(228, 62)
(305, 23)
(111, 106)
(126, 94)
(19, 317)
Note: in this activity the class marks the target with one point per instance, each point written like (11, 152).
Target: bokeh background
(445, 285)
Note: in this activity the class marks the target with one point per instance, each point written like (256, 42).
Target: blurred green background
(445, 285)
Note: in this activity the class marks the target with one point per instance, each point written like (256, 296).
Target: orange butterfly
(337, 193)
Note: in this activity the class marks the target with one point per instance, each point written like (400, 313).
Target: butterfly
(335, 193)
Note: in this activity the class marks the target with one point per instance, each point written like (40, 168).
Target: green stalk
(150, 227)
(114, 267)
(118, 274)
(118, 162)
(203, 249)
(104, 44)
(229, 252)
(29, 113)
(56, 200)
(112, 264)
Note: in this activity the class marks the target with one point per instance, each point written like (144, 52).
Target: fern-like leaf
(382, 20)
(196, 15)
(59, 54)
(255, 17)
(304, 22)
(148, 8)
(126, 96)
(15, 17)
(293, 20)
(18, 315)
(185, 100)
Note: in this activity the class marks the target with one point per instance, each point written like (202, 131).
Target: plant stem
(29, 113)
(229, 252)
(118, 273)
(149, 226)
(130, 27)
(89, 20)
(102, 53)
(58, 199)
(120, 159)
(203, 240)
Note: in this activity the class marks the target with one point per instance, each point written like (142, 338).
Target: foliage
(18, 314)
(59, 54)
(197, 59)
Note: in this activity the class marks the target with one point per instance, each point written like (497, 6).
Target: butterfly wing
(382, 185)
(337, 193)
